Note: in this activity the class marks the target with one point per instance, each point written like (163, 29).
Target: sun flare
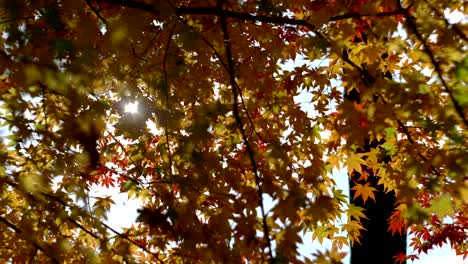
(131, 108)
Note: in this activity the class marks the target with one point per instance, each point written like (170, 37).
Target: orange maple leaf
(396, 223)
(400, 257)
(365, 191)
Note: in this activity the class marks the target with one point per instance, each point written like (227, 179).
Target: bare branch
(96, 12)
(241, 15)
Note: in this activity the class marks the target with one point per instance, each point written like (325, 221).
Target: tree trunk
(378, 245)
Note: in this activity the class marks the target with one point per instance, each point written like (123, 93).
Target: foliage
(219, 129)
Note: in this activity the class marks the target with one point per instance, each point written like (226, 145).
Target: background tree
(219, 130)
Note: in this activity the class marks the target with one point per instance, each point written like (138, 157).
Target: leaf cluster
(227, 162)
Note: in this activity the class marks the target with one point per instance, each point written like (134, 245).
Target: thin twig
(230, 63)
(44, 109)
(140, 171)
(123, 236)
(36, 245)
(454, 27)
(140, 57)
(412, 26)
(182, 10)
(220, 58)
(166, 93)
(96, 12)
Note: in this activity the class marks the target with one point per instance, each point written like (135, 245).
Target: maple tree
(219, 128)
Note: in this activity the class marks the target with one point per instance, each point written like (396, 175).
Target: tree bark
(378, 245)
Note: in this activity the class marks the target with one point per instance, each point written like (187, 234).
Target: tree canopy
(220, 128)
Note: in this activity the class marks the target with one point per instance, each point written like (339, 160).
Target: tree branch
(140, 171)
(74, 221)
(145, 51)
(410, 139)
(35, 244)
(412, 26)
(454, 27)
(166, 93)
(357, 15)
(133, 4)
(96, 12)
(9, 20)
(123, 236)
(369, 80)
(272, 19)
(241, 15)
(220, 58)
(235, 93)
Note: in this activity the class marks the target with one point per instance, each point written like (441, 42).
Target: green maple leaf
(356, 212)
(442, 205)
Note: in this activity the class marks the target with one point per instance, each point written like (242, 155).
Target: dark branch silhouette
(235, 92)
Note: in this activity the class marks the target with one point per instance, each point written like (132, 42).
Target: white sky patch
(153, 127)
(455, 17)
(131, 107)
(124, 212)
(158, 24)
(439, 255)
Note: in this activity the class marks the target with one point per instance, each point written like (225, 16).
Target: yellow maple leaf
(354, 163)
(334, 161)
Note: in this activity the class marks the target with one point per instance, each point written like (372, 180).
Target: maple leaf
(354, 163)
(396, 223)
(107, 180)
(401, 257)
(353, 228)
(334, 161)
(356, 212)
(365, 191)
(339, 242)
